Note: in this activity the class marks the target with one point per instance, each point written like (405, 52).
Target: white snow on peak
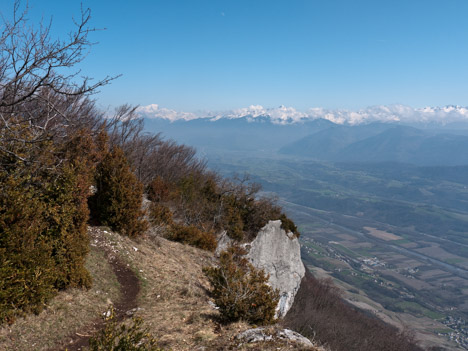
(280, 115)
(154, 111)
(288, 115)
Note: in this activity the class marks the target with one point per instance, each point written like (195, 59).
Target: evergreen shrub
(117, 201)
(240, 290)
(193, 236)
(288, 225)
(160, 214)
(43, 233)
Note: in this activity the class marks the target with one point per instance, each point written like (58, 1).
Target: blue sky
(225, 54)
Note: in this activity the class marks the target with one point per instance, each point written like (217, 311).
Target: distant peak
(290, 115)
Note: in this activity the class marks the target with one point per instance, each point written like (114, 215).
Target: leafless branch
(42, 96)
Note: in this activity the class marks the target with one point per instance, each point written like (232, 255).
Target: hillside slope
(173, 300)
(381, 143)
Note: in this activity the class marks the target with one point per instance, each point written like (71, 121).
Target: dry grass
(68, 313)
(173, 301)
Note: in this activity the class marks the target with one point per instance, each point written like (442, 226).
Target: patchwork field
(400, 252)
(381, 234)
(391, 284)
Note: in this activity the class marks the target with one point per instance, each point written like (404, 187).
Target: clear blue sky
(223, 54)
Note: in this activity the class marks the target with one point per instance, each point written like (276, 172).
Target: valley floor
(401, 288)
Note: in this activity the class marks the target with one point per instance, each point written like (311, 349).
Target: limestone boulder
(279, 254)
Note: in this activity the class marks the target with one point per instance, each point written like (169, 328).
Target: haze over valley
(382, 207)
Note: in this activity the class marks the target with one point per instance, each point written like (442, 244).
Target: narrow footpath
(129, 289)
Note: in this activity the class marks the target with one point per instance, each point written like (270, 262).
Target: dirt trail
(129, 287)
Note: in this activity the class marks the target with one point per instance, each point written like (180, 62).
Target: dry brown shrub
(193, 236)
(160, 215)
(158, 190)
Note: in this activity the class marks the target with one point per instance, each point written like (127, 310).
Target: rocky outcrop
(264, 334)
(279, 254)
(224, 241)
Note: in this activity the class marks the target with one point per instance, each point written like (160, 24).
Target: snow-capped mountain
(283, 115)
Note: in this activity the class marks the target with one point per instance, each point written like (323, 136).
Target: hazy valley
(392, 235)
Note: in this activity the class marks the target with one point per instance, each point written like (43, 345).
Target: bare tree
(149, 154)
(42, 96)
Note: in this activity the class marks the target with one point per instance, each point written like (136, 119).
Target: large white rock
(224, 242)
(264, 334)
(279, 254)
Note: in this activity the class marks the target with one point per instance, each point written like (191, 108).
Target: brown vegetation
(318, 311)
(46, 162)
(193, 236)
(160, 215)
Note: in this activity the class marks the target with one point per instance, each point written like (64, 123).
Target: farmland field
(393, 237)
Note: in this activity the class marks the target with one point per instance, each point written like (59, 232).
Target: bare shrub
(149, 154)
(318, 311)
(41, 97)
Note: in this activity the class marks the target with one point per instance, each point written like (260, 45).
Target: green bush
(288, 225)
(209, 202)
(233, 223)
(193, 236)
(240, 290)
(123, 338)
(117, 201)
(27, 269)
(43, 233)
(244, 216)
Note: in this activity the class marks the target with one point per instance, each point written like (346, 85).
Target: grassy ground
(173, 300)
(68, 313)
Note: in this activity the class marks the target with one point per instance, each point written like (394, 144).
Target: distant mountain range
(320, 139)
(426, 116)
(236, 134)
(382, 143)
